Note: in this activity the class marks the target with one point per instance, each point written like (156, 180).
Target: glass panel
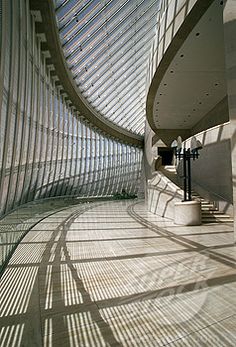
(107, 45)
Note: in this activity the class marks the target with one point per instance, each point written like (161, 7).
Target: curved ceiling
(194, 82)
(106, 45)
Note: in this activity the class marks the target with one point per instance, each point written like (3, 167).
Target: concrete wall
(215, 171)
(211, 172)
(211, 175)
(230, 61)
(177, 19)
(149, 159)
(170, 35)
(218, 115)
(171, 17)
(162, 195)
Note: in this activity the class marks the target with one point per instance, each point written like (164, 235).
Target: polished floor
(113, 274)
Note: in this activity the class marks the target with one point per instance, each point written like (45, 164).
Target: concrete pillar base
(188, 213)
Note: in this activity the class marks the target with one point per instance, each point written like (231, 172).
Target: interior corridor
(113, 274)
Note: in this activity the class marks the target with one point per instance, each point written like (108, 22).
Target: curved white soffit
(106, 45)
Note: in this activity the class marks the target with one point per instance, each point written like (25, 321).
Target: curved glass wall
(46, 148)
(106, 45)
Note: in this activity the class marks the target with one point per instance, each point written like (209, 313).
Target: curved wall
(211, 172)
(176, 21)
(211, 119)
(46, 148)
(230, 58)
(171, 17)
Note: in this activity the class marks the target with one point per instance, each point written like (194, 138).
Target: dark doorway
(166, 154)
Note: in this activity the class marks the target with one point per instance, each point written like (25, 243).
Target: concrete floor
(113, 274)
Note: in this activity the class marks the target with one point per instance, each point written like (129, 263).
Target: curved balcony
(186, 82)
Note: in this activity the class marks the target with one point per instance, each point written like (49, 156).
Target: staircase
(210, 213)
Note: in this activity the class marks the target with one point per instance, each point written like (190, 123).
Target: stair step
(209, 208)
(217, 220)
(223, 217)
(210, 213)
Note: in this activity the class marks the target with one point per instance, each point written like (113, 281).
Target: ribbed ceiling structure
(106, 45)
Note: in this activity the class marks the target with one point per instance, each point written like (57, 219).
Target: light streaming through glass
(106, 45)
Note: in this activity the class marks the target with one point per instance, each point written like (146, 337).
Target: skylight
(106, 45)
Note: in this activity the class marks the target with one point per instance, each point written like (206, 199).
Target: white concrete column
(188, 213)
(229, 18)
